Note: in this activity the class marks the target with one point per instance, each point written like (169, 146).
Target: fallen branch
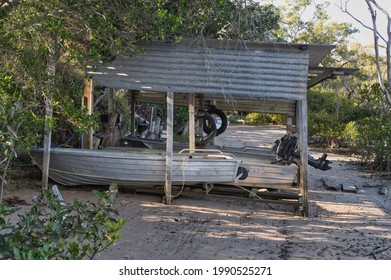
(378, 251)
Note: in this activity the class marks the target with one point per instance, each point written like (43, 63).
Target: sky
(360, 10)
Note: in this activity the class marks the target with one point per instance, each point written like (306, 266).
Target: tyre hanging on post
(220, 120)
(202, 117)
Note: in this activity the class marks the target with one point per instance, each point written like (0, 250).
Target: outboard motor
(287, 151)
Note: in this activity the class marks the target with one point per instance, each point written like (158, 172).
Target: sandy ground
(341, 225)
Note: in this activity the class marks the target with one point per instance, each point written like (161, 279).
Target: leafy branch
(52, 230)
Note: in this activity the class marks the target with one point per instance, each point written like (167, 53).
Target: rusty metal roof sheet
(216, 67)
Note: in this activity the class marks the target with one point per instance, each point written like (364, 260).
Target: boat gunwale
(135, 154)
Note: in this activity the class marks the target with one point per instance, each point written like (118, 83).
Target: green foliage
(226, 19)
(122, 106)
(181, 138)
(328, 115)
(361, 123)
(50, 230)
(252, 21)
(350, 133)
(78, 32)
(234, 121)
(318, 29)
(16, 118)
(263, 119)
(372, 129)
(373, 141)
(181, 115)
(22, 115)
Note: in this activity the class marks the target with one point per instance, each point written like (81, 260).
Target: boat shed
(232, 75)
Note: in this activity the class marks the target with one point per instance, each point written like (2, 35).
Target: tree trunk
(376, 47)
(388, 40)
(51, 68)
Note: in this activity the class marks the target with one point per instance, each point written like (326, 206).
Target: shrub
(51, 230)
(373, 127)
(263, 119)
(363, 122)
(373, 141)
(351, 134)
(328, 116)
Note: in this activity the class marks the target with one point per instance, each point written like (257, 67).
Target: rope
(186, 159)
(255, 195)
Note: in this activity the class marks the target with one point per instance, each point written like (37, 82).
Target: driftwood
(327, 186)
(378, 251)
(383, 190)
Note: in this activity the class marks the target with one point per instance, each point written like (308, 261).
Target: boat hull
(262, 173)
(268, 176)
(102, 167)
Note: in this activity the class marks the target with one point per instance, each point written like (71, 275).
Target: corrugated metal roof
(216, 67)
(234, 103)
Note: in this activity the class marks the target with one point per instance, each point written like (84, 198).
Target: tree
(362, 58)
(251, 21)
(237, 19)
(374, 8)
(318, 29)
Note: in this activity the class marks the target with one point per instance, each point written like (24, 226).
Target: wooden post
(169, 146)
(191, 122)
(301, 119)
(132, 112)
(110, 113)
(289, 122)
(201, 123)
(201, 101)
(88, 101)
(47, 141)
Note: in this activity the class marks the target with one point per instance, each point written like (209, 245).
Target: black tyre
(220, 120)
(242, 172)
(205, 117)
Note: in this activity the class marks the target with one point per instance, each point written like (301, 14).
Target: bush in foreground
(52, 230)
